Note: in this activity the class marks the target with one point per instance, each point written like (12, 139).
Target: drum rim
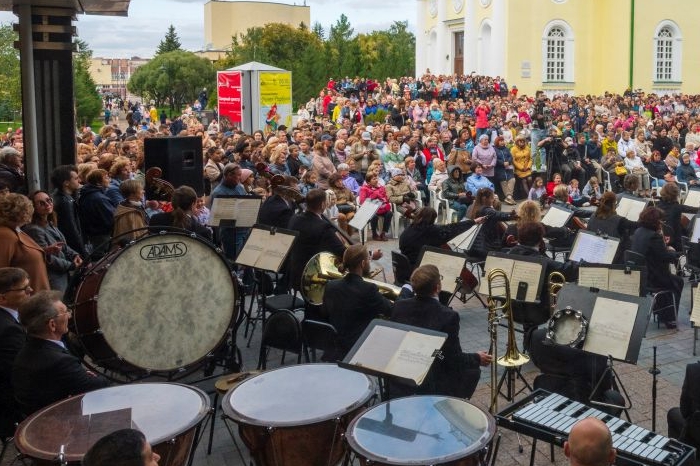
(360, 450)
(32, 452)
(240, 418)
(75, 291)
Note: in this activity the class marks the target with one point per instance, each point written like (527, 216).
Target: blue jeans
(460, 208)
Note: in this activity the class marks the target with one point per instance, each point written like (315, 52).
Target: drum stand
(510, 376)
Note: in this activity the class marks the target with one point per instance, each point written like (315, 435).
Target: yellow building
(573, 46)
(112, 74)
(225, 19)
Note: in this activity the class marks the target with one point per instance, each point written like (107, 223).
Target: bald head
(590, 444)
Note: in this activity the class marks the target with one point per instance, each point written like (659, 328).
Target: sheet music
(378, 348)
(695, 236)
(528, 272)
(365, 213)
(415, 356)
(464, 241)
(593, 277)
(610, 327)
(692, 198)
(265, 251)
(594, 249)
(630, 208)
(695, 306)
(243, 210)
(493, 262)
(450, 267)
(625, 283)
(556, 217)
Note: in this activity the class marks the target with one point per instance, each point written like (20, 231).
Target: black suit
(351, 303)
(44, 373)
(276, 212)
(458, 373)
(12, 338)
(316, 234)
(690, 404)
(68, 221)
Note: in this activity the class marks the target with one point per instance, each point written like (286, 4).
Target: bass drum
(161, 304)
(422, 430)
(169, 415)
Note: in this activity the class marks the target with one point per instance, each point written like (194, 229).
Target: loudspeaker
(180, 159)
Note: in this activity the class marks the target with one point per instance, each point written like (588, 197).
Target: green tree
(88, 103)
(174, 77)
(170, 43)
(10, 85)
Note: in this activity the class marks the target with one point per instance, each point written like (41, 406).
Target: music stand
(692, 198)
(390, 350)
(557, 216)
(630, 207)
(594, 248)
(265, 249)
(451, 264)
(617, 323)
(625, 279)
(525, 274)
(364, 214)
(234, 211)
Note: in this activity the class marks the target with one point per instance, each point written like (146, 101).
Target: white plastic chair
(448, 211)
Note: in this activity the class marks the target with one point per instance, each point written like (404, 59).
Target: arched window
(556, 56)
(557, 53)
(667, 53)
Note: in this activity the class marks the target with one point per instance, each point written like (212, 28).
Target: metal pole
(29, 122)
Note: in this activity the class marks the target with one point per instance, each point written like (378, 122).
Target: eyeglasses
(26, 289)
(47, 201)
(68, 312)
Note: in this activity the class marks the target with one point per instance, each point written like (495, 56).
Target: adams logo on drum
(163, 251)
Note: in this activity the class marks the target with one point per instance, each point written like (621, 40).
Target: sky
(141, 31)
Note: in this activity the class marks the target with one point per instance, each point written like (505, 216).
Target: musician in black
(606, 221)
(351, 303)
(424, 232)
(684, 421)
(457, 373)
(590, 444)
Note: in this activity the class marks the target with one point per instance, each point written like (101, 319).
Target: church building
(573, 46)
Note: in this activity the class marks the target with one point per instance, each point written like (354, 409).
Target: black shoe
(671, 324)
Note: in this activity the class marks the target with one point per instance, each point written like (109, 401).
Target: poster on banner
(228, 86)
(275, 100)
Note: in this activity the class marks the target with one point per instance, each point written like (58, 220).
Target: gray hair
(37, 310)
(8, 153)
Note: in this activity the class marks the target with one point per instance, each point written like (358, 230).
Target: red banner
(230, 103)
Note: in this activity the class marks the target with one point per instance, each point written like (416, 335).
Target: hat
(370, 128)
(245, 174)
(482, 137)
(366, 136)
(569, 141)
(396, 172)
(326, 137)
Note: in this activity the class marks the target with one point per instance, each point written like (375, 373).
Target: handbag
(620, 169)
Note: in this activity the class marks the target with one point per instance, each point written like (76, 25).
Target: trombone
(501, 302)
(555, 282)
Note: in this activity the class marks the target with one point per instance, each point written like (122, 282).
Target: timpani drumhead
(165, 302)
(421, 430)
(161, 411)
(297, 395)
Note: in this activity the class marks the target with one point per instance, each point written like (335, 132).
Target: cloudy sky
(140, 33)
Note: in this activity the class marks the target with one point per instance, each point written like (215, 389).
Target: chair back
(401, 267)
(321, 336)
(634, 258)
(282, 331)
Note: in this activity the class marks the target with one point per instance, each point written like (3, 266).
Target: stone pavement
(674, 351)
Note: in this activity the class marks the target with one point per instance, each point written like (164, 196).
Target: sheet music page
(378, 348)
(594, 249)
(253, 247)
(450, 267)
(630, 208)
(556, 217)
(695, 237)
(626, 283)
(528, 272)
(464, 241)
(693, 198)
(415, 356)
(276, 248)
(493, 262)
(246, 212)
(365, 213)
(610, 327)
(695, 309)
(221, 209)
(593, 277)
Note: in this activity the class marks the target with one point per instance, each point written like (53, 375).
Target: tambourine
(566, 327)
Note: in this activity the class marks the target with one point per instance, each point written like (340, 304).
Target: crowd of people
(471, 141)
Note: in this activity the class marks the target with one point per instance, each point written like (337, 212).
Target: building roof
(255, 66)
(92, 7)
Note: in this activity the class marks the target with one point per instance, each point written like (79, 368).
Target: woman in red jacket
(372, 190)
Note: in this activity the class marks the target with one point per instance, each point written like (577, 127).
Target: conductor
(457, 373)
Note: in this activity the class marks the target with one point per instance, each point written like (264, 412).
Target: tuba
(555, 282)
(321, 268)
